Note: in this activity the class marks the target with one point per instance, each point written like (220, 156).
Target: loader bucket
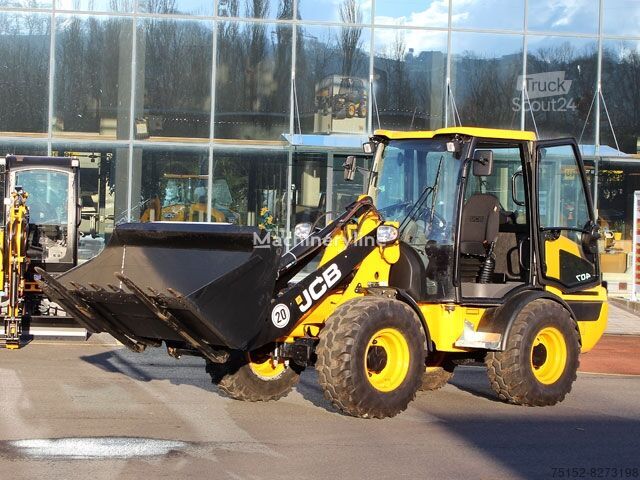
(206, 284)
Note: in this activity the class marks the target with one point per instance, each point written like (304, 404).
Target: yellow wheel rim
(387, 359)
(548, 355)
(267, 369)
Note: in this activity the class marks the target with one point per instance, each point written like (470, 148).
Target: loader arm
(208, 288)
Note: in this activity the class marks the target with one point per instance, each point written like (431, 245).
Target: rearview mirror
(369, 148)
(483, 163)
(349, 168)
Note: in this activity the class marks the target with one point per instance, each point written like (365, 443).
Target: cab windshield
(416, 186)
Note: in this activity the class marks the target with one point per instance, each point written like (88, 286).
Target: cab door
(568, 257)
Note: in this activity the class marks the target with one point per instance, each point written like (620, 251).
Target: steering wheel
(401, 207)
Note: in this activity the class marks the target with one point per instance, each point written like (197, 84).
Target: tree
(350, 37)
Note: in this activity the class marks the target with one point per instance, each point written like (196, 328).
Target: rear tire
(371, 357)
(437, 373)
(258, 381)
(539, 365)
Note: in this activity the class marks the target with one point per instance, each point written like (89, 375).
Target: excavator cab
(40, 230)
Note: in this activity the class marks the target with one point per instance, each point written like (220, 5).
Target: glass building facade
(243, 111)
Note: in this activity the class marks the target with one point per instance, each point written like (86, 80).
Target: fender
(500, 320)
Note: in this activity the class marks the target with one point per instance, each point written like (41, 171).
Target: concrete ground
(83, 411)
(622, 322)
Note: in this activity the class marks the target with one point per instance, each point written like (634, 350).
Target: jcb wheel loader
(470, 245)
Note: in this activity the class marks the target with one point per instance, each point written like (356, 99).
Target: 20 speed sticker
(280, 315)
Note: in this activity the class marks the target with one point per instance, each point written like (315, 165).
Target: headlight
(302, 231)
(386, 234)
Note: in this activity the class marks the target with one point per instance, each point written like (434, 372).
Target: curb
(628, 305)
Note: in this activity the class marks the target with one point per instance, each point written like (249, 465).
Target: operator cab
(470, 219)
(51, 183)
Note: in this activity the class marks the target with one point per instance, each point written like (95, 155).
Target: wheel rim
(387, 359)
(267, 369)
(548, 355)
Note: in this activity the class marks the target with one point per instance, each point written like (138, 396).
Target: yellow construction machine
(40, 230)
(470, 245)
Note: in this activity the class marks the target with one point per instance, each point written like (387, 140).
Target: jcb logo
(318, 287)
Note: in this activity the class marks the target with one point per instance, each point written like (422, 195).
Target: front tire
(254, 378)
(539, 365)
(371, 357)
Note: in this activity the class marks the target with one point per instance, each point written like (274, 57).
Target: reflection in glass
(24, 61)
(418, 13)
(409, 79)
(123, 6)
(580, 16)
(621, 17)
(177, 7)
(309, 188)
(253, 80)
(498, 14)
(484, 76)
(22, 148)
(49, 192)
(332, 84)
(280, 9)
(250, 188)
(343, 11)
(103, 193)
(173, 185)
(561, 84)
(620, 74)
(174, 78)
(26, 3)
(93, 75)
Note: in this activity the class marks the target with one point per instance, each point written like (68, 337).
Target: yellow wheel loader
(470, 245)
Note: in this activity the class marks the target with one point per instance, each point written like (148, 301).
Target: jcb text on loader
(472, 244)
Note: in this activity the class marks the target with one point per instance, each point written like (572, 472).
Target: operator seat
(480, 224)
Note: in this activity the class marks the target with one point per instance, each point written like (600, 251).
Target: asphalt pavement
(86, 411)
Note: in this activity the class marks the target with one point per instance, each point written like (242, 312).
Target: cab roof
(471, 131)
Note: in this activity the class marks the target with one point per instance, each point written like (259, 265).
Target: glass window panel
(26, 3)
(409, 79)
(620, 73)
(93, 75)
(332, 86)
(561, 79)
(580, 16)
(103, 193)
(621, 17)
(177, 7)
(249, 187)
(484, 75)
(309, 188)
(253, 80)
(498, 14)
(618, 179)
(280, 9)
(24, 57)
(22, 148)
(419, 13)
(343, 11)
(173, 85)
(123, 6)
(170, 184)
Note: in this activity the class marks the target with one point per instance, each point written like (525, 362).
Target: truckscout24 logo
(548, 92)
